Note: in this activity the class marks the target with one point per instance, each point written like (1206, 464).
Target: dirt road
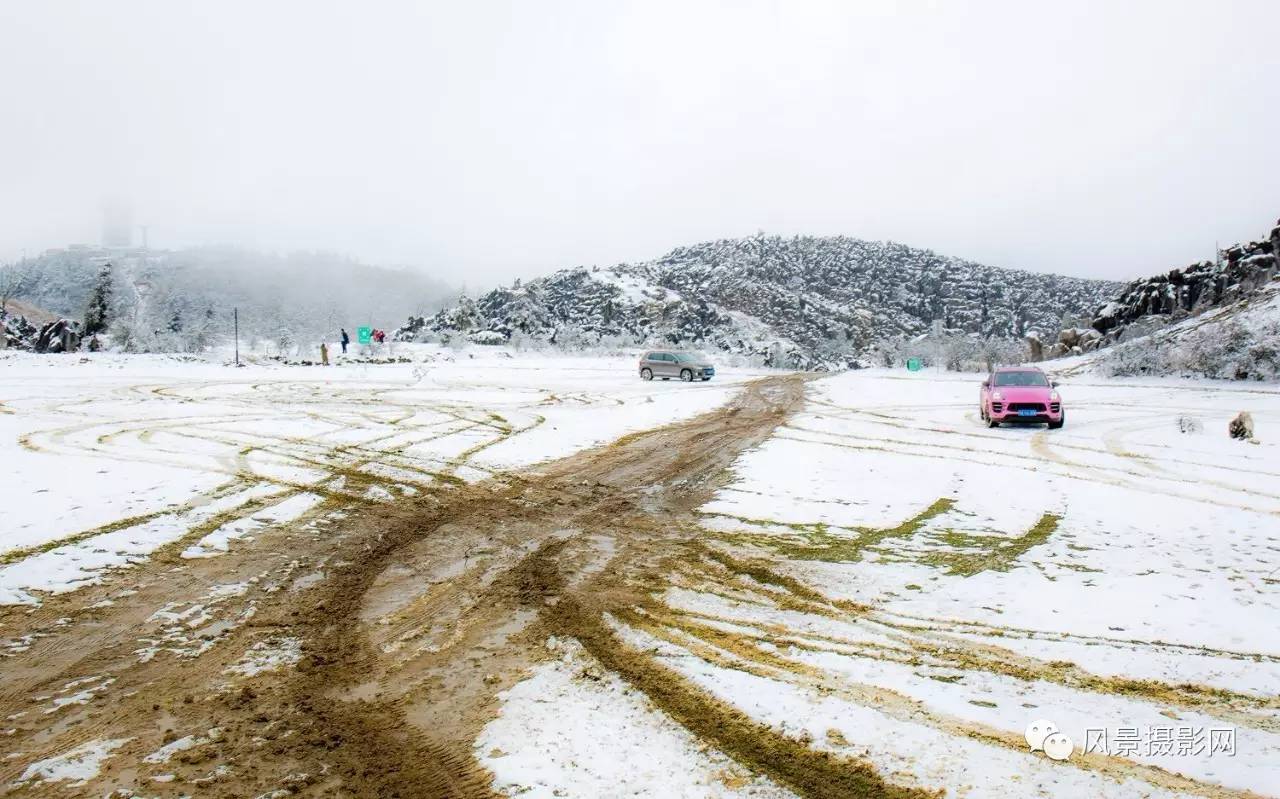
(361, 657)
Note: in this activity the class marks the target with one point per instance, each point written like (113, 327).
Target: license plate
(1026, 412)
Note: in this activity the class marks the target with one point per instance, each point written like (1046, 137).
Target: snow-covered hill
(1210, 319)
(1243, 270)
(802, 301)
(1239, 340)
(1151, 304)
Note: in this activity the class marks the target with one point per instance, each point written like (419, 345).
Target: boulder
(1037, 347)
(60, 335)
(1241, 427)
(1090, 340)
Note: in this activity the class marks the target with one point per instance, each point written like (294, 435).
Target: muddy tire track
(467, 579)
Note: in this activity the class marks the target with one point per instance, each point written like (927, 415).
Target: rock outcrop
(60, 335)
(1243, 270)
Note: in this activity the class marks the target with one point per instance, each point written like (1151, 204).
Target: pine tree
(98, 314)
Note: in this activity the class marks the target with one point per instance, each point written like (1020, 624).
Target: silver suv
(667, 364)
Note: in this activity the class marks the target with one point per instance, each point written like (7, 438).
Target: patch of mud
(364, 656)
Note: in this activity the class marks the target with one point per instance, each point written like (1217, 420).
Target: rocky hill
(1147, 305)
(801, 301)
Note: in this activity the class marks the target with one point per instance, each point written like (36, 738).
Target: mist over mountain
(802, 301)
(183, 299)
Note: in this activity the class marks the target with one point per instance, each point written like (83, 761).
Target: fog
(484, 141)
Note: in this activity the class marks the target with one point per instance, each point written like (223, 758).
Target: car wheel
(705, 379)
(646, 374)
(686, 375)
(992, 422)
(1058, 424)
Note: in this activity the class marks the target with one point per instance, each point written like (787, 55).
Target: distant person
(345, 341)
(324, 353)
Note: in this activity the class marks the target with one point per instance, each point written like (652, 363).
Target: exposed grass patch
(974, 554)
(921, 650)
(193, 531)
(815, 541)
(1064, 672)
(15, 555)
(805, 597)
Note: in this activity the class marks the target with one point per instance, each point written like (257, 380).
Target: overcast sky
(484, 141)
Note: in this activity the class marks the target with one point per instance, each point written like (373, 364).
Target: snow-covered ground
(1118, 577)
(106, 458)
(884, 579)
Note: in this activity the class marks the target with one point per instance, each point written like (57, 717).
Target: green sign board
(913, 364)
(364, 334)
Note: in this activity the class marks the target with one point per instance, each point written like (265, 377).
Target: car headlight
(1053, 396)
(997, 396)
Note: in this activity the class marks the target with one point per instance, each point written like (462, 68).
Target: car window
(684, 357)
(1021, 379)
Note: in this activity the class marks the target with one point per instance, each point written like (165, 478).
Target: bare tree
(15, 279)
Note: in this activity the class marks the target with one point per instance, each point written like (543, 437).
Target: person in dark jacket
(345, 341)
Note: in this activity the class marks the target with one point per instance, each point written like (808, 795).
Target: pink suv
(1020, 394)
